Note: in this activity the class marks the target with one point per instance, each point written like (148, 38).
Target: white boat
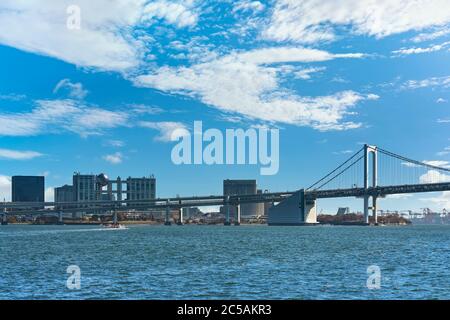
(113, 226)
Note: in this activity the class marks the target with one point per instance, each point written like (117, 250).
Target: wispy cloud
(252, 87)
(115, 143)
(168, 131)
(409, 51)
(426, 36)
(248, 5)
(429, 82)
(310, 21)
(61, 115)
(18, 155)
(181, 13)
(73, 90)
(444, 152)
(343, 152)
(115, 158)
(305, 74)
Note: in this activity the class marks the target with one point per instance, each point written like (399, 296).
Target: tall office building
(28, 189)
(141, 188)
(241, 187)
(85, 187)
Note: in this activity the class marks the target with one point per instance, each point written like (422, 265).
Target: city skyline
(109, 100)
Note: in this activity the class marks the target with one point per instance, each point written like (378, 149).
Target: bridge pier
(60, 218)
(237, 220)
(366, 209)
(167, 219)
(115, 220)
(374, 210)
(4, 219)
(295, 210)
(180, 217)
(227, 208)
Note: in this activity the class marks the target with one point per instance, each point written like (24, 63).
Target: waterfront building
(85, 187)
(241, 187)
(64, 194)
(141, 188)
(189, 212)
(28, 189)
(93, 187)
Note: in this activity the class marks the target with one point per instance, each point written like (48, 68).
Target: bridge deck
(162, 203)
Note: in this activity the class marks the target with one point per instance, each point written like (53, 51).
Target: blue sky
(331, 75)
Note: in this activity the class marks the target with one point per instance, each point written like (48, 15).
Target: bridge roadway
(180, 202)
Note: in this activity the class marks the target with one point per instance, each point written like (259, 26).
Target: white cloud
(56, 115)
(247, 84)
(399, 196)
(430, 82)
(443, 120)
(74, 90)
(248, 5)
(441, 100)
(49, 194)
(443, 201)
(5, 188)
(107, 38)
(115, 143)
(444, 152)
(434, 176)
(18, 155)
(431, 35)
(115, 158)
(168, 131)
(343, 152)
(433, 48)
(438, 163)
(305, 74)
(177, 13)
(104, 40)
(309, 21)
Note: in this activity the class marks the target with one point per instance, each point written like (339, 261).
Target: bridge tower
(367, 151)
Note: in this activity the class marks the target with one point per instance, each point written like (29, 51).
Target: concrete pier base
(4, 220)
(294, 211)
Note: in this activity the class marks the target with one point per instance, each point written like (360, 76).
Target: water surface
(218, 262)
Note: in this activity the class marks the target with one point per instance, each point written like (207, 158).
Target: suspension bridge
(371, 173)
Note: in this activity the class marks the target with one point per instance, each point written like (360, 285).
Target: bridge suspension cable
(336, 169)
(391, 169)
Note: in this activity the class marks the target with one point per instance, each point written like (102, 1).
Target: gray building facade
(241, 187)
(64, 194)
